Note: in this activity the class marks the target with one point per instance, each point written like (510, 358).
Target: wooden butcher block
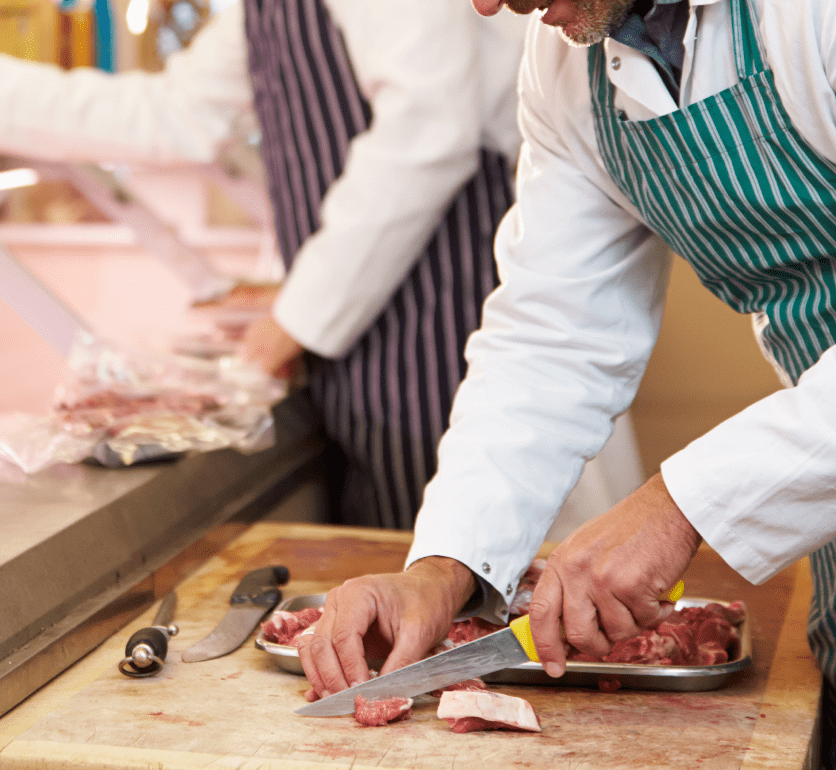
(237, 711)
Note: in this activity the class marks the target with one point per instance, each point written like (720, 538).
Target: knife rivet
(486, 568)
(508, 590)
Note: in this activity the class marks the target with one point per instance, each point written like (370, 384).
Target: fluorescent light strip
(18, 177)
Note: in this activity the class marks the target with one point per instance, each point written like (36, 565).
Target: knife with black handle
(256, 595)
(146, 650)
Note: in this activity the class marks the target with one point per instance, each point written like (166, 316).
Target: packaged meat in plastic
(122, 406)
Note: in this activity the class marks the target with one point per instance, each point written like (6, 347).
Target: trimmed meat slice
(473, 685)
(467, 711)
(378, 713)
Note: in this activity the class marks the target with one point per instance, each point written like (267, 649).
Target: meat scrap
(468, 711)
(379, 713)
(286, 627)
(463, 631)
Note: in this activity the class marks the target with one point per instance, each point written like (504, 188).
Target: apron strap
(748, 49)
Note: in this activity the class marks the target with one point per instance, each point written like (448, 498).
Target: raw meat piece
(525, 589)
(693, 636)
(647, 647)
(471, 685)
(467, 711)
(464, 631)
(286, 627)
(378, 713)
(102, 409)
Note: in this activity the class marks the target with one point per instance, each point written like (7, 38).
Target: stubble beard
(595, 18)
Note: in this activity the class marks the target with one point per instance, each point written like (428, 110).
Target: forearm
(180, 115)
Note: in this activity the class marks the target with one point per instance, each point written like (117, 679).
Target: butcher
(702, 127)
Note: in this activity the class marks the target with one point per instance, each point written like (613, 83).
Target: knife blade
(509, 647)
(493, 652)
(256, 595)
(146, 650)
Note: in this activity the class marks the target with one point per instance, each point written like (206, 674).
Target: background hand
(604, 580)
(271, 347)
(399, 615)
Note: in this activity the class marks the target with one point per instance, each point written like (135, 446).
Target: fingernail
(354, 684)
(553, 670)
(325, 693)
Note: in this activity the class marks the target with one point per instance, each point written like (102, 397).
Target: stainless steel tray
(630, 676)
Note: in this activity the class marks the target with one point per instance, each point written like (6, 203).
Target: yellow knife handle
(673, 594)
(522, 629)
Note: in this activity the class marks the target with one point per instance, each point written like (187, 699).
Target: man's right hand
(406, 612)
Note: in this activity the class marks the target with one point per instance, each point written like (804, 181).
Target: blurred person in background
(389, 138)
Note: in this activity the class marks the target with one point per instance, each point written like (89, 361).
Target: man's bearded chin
(596, 20)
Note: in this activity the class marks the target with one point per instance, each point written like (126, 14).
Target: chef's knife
(256, 595)
(146, 650)
(509, 647)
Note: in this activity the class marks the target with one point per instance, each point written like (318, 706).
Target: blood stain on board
(174, 719)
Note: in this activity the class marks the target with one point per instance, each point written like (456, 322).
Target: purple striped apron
(387, 402)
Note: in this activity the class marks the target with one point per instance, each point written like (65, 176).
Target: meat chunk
(286, 627)
(378, 713)
(694, 636)
(463, 631)
(468, 711)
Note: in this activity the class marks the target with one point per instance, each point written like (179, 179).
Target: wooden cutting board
(237, 711)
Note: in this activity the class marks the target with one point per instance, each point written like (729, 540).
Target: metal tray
(630, 676)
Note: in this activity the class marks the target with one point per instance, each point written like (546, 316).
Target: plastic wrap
(122, 406)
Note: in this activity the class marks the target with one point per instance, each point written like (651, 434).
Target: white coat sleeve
(419, 71)
(759, 487)
(183, 114)
(562, 348)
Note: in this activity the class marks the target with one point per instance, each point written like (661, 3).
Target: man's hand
(271, 347)
(404, 614)
(604, 580)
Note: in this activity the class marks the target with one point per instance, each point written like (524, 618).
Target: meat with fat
(286, 627)
(693, 636)
(378, 713)
(469, 711)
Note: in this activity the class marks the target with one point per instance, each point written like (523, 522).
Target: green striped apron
(731, 186)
